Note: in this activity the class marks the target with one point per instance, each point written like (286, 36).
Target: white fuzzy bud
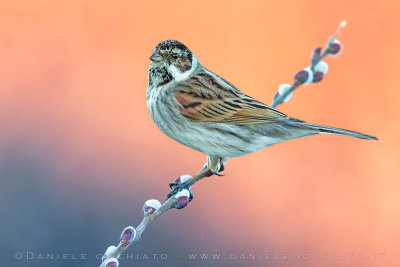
(335, 48)
(110, 250)
(283, 89)
(182, 198)
(185, 178)
(127, 235)
(183, 193)
(150, 206)
(113, 262)
(310, 76)
(321, 67)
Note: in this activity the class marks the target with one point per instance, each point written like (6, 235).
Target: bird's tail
(338, 131)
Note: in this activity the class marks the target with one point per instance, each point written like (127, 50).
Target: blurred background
(79, 153)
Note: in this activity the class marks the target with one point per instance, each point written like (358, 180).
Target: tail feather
(338, 131)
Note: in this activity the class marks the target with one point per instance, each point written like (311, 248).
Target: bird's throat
(158, 76)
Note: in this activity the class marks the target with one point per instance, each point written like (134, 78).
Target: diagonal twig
(314, 73)
(152, 209)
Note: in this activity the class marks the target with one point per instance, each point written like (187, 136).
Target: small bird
(201, 110)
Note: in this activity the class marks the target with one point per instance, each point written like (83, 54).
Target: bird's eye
(175, 56)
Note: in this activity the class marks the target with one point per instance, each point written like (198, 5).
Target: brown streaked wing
(205, 98)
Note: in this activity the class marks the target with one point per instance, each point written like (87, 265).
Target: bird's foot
(220, 169)
(180, 184)
(175, 188)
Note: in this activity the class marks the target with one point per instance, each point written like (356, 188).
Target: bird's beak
(156, 57)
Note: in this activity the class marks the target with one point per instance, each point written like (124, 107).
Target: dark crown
(171, 44)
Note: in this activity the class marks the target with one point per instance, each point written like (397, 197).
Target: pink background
(79, 153)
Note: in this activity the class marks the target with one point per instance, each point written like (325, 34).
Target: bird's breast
(163, 109)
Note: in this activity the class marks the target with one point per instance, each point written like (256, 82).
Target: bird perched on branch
(201, 110)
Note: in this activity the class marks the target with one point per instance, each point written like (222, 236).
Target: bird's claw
(217, 173)
(222, 168)
(172, 185)
(175, 188)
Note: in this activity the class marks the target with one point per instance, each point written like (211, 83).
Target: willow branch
(152, 209)
(314, 73)
(180, 195)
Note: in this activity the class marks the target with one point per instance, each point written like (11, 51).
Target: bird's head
(174, 59)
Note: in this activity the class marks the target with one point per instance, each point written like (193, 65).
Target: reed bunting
(201, 110)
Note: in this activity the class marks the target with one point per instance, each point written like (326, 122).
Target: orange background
(77, 141)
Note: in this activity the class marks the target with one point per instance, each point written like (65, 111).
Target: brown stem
(168, 204)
